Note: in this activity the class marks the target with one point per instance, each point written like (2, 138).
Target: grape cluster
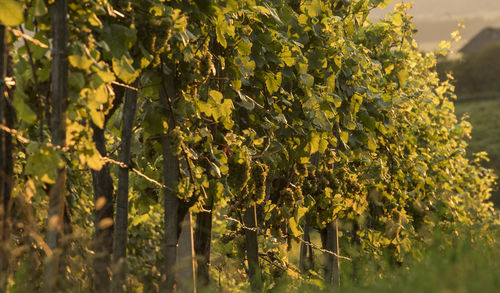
(257, 188)
(239, 173)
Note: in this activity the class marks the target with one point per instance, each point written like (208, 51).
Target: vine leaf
(43, 163)
(23, 111)
(124, 70)
(11, 13)
(40, 8)
(294, 227)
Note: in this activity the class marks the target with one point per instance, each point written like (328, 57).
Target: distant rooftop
(484, 38)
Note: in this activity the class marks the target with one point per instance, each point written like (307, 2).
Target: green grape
(176, 139)
(298, 196)
(239, 245)
(286, 197)
(275, 223)
(239, 174)
(259, 173)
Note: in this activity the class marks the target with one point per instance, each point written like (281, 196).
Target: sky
(436, 19)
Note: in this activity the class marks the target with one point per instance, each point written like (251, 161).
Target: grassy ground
(463, 267)
(447, 266)
(485, 119)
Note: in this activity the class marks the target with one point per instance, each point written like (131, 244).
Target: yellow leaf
(80, 61)
(216, 96)
(344, 136)
(124, 70)
(101, 94)
(11, 13)
(95, 21)
(96, 115)
(95, 161)
(294, 227)
(396, 19)
(403, 77)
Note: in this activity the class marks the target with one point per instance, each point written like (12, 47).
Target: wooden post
(252, 246)
(6, 163)
(333, 263)
(121, 218)
(102, 184)
(185, 263)
(306, 254)
(203, 237)
(59, 90)
(171, 202)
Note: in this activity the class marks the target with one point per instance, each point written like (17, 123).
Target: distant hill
(435, 20)
(487, 36)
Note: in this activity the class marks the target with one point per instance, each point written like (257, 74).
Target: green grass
(462, 267)
(485, 120)
(456, 264)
